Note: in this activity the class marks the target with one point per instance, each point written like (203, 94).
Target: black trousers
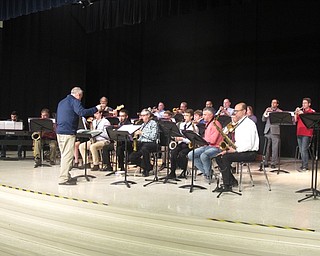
(121, 146)
(179, 157)
(106, 150)
(224, 162)
(144, 150)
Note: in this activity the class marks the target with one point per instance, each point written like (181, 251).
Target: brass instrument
(227, 142)
(36, 136)
(190, 145)
(172, 145)
(135, 142)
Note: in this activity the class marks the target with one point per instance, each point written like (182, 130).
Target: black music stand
(312, 120)
(124, 135)
(224, 120)
(167, 130)
(86, 134)
(196, 140)
(280, 118)
(41, 125)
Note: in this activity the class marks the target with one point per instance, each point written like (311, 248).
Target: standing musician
(182, 148)
(145, 142)
(272, 133)
(303, 133)
(49, 138)
(246, 146)
(204, 154)
(96, 143)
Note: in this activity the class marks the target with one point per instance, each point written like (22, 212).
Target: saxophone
(135, 142)
(227, 142)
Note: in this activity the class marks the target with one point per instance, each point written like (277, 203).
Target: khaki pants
(94, 149)
(66, 146)
(37, 144)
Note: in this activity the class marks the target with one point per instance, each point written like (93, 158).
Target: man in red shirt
(304, 134)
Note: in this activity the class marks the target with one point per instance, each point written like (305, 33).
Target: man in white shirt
(246, 146)
(98, 142)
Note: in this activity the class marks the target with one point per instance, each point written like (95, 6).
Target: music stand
(280, 118)
(196, 140)
(224, 120)
(86, 134)
(167, 129)
(123, 134)
(312, 120)
(41, 125)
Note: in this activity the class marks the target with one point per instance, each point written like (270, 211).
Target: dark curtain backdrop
(168, 51)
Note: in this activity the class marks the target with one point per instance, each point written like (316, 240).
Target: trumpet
(36, 136)
(298, 110)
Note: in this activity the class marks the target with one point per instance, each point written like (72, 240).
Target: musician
(120, 149)
(209, 104)
(304, 134)
(180, 152)
(49, 138)
(198, 120)
(225, 109)
(178, 115)
(159, 112)
(95, 144)
(107, 111)
(146, 137)
(168, 116)
(13, 118)
(68, 112)
(204, 154)
(246, 143)
(251, 115)
(272, 133)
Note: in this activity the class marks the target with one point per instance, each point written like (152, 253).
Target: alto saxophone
(135, 142)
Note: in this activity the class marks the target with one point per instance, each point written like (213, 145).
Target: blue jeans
(303, 143)
(202, 158)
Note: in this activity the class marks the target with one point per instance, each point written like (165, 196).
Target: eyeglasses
(237, 110)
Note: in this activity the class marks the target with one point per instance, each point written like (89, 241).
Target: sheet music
(93, 133)
(130, 128)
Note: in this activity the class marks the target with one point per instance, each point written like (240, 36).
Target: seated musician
(49, 138)
(180, 152)
(146, 142)
(225, 109)
(120, 149)
(13, 118)
(96, 143)
(246, 147)
(159, 111)
(107, 111)
(198, 120)
(204, 154)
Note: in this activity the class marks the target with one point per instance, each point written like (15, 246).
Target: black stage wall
(247, 50)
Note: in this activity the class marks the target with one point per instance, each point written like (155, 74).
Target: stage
(97, 218)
